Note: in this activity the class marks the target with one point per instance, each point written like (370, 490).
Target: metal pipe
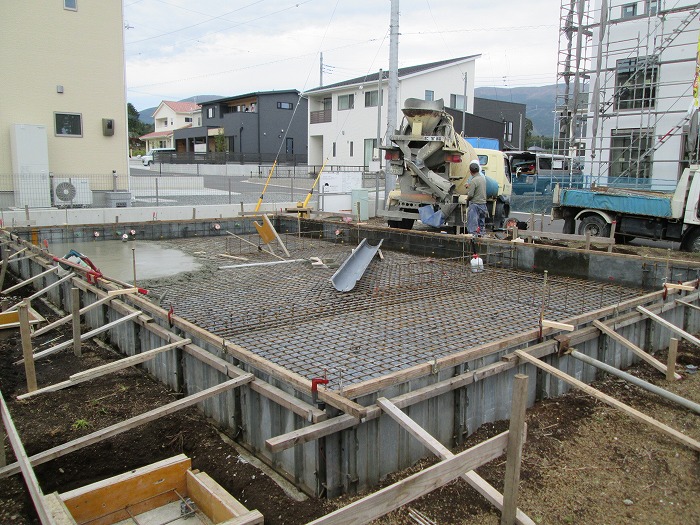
(695, 407)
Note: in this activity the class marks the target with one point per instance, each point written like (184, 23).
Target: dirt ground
(583, 462)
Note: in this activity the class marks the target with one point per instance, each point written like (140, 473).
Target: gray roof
(246, 95)
(403, 72)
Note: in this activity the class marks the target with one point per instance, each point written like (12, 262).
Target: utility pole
(392, 103)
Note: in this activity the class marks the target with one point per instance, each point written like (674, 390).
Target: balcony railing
(319, 117)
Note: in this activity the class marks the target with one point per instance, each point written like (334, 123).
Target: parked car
(147, 159)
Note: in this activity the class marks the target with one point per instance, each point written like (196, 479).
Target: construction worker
(476, 195)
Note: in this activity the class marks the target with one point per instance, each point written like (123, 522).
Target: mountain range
(539, 100)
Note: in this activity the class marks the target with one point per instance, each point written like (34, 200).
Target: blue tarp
(430, 217)
(483, 142)
(649, 205)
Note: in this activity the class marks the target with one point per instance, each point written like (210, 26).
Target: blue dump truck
(536, 173)
(648, 214)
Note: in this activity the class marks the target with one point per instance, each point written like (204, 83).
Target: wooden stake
(3, 457)
(671, 363)
(516, 437)
(75, 299)
(5, 262)
(633, 413)
(27, 351)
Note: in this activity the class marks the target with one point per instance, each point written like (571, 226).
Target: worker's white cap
(475, 163)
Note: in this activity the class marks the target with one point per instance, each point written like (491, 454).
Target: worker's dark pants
(476, 218)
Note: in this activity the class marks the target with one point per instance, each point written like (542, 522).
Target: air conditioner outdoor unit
(71, 193)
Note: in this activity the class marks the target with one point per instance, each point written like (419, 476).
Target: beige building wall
(44, 46)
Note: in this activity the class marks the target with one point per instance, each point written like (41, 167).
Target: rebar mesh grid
(405, 310)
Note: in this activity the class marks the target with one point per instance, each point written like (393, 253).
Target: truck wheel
(692, 242)
(595, 226)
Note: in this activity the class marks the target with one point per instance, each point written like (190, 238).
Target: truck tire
(595, 226)
(691, 243)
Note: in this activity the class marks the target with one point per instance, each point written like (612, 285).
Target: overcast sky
(175, 49)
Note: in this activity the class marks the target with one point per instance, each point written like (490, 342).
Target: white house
(168, 117)
(638, 117)
(343, 116)
(63, 103)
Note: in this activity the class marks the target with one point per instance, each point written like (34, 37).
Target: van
(147, 159)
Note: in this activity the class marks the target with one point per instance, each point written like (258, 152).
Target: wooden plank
(631, 346)
(516, 433)
(559, 326)
(122, 291)
(252, 518)
(684, 303)
(27, 351)
(118, 428)
(24, 465)
(212, 499)
(310, 433)
(110, 495)
(671, 363)
(58, 510)
(30, 280)
(684, 287)
(685, 335)
(75, 300)
(84, 337)
(17, 253)
(475, 481)
(42, 291)
(99, 371)
(405, 491)
(633, 413)
(69, 317)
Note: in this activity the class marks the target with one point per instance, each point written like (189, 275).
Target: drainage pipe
(695, 407)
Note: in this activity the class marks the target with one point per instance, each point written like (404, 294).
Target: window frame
(628, 10)
(637, 95)
(369, 95)
(350, 102)
(429, 95)
(211, 112)
(629, 141)
(283, 105)
(56, 114)
(454, 97)
(74, 7)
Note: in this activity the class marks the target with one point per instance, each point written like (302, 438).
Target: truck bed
(652, 204)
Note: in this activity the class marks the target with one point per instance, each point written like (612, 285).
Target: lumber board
(118, 428)
(27, 281)
(42, 291)
(67, 318)
(515, 449)
(406, 490)
(252, 518)
(546, 323)
(478, 483)
(631, 346)
(685, 335)
(684, 287)
(110, 495)
(632, 412)
(99, 371)
(84, 337)
(684, 303)
(24, 465)
(212, 499)
(122, 291)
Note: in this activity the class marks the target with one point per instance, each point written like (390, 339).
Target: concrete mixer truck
(431, 163)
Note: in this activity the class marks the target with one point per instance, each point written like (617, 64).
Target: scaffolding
(625, 105)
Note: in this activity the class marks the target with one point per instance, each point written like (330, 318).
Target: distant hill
(540, 102)
(146, 115)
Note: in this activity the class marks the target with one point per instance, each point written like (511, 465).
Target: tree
(136, 127)
(220, 141)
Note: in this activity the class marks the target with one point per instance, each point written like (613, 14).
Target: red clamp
(665, 294)
(314, 391)
(170, 316)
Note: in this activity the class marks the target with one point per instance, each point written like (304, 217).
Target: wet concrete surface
(115, 258)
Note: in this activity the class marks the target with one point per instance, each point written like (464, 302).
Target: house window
(68, 124)
(371, 99)
(628, 155)
(210, 112)
(635, 83)
(70, 4)
(351, 148)
(370, 152)
(285, 105)
(188, 119)
(334, 149)
(346, 102)
(629, 10)
(458, 102)
(652, 6)
(429, 94)
(327, 104)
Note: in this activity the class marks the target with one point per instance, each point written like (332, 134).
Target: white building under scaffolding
(627, 70)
